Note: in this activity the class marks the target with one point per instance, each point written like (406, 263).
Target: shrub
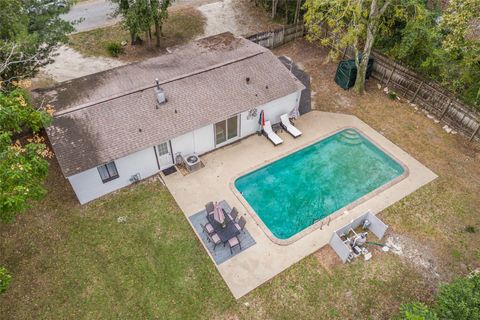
(416, 311)
(5, 279)
(460, 300)
(114, 49)
(470, 229)
(392, 95)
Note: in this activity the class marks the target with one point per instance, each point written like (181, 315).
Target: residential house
(121, 125)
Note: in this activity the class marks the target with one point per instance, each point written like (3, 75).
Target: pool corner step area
(350, 136)
(296, 193)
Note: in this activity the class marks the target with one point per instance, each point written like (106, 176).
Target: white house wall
(273, 110)
(203, 140)
(198, 141)
(88, 185)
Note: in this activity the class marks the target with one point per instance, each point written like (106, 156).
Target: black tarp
(305, 99)
(347, 73)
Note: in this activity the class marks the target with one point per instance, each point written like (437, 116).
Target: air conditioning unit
(135, 178)
(192, 162)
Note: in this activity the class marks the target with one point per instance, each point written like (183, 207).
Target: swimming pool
(298, 190)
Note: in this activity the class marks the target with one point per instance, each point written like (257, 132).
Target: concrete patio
(259, 263)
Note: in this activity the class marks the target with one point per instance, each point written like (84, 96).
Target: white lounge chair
(289, 127)
(272, 136)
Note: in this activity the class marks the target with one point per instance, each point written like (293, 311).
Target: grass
(72, 261)
(78, 262)
(437, 214)
(181, 26)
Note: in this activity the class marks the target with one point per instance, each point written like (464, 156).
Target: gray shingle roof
(115, 113)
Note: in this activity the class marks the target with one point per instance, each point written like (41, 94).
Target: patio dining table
(227, 232)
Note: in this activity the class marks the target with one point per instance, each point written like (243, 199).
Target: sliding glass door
(226, 130)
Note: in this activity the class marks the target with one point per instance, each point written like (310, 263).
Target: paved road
(97, 13)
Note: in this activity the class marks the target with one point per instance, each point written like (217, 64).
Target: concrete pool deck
(261, 262)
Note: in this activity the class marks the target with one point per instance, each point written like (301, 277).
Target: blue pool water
(293, 192)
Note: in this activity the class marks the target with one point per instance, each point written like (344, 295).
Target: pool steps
(351, 137)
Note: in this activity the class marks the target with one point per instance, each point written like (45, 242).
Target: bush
(5, 279)
(460, 300)
(392, 95)
(416, 311)
(470, 229)
(114, 49)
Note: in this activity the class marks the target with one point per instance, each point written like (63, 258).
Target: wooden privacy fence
(428, 95)
(279, 36)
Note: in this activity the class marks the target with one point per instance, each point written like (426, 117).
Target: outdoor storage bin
(347, 72)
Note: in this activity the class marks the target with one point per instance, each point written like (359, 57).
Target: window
(108, 172)
(232, 125)
(226, 130)
(162, 149)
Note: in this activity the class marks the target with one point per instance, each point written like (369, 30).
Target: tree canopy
(343, 23)
(23, 153)
(443, 46)
(29, 31)
(459, 300)
(140, 15)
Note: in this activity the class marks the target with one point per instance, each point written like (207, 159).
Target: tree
(23, 164)
(29, 32)
(138, 16)
(138, 19)
(460, 300)
(297, 11)
(160, 14)
(343, 23)
(461, 46)
(441, 46)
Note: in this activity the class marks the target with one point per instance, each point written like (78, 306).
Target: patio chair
(234, 242)
(209, 207)
(289, 127)
(272, 136)
(233, 214)
(207, 228)
(241, 224)
(215, 239)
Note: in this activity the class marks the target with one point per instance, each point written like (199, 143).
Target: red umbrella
(261, 120)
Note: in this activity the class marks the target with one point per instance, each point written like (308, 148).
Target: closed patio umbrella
(218, 214)
(261, 119)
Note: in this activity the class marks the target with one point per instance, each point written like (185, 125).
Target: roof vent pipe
(159, 94)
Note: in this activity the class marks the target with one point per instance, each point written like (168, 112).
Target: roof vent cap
(160, 93)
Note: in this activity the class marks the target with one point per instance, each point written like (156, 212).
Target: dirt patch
(70, 64)
(239, 17)
(219, 42)
(420, 256)
(328, 259)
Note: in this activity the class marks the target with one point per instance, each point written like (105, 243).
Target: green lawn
(70, 261)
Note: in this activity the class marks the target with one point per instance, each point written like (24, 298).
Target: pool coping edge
(334, 215)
